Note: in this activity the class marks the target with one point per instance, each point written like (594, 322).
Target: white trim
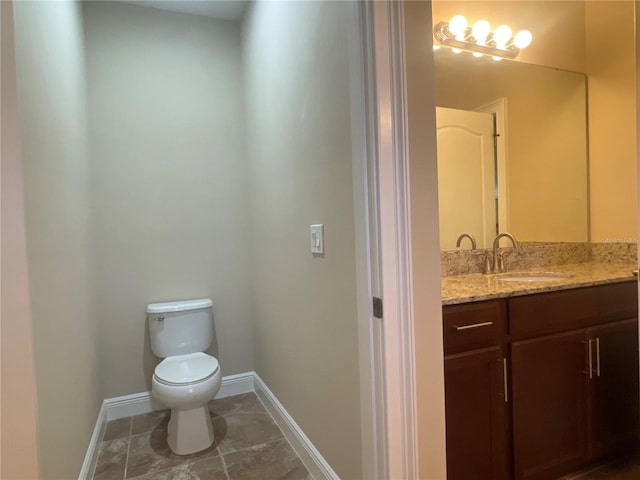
(365, 182)
(395, 237)
(130, 405)
(236, 384)
(89, 463)
(310, 456)
(141, 403)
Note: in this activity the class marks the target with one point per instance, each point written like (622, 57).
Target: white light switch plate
(317, 239)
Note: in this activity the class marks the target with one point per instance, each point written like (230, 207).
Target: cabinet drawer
(473, 325)
(570, 309)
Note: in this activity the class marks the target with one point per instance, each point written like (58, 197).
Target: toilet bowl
(187, 379)
(186, 384)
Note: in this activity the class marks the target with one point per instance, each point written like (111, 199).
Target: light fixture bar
(466, 41)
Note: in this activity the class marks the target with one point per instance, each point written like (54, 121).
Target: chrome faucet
(470, 237)
(498, 261)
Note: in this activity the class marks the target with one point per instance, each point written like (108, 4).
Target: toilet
(187, 378)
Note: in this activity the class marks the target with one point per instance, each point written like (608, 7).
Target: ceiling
(221, 9)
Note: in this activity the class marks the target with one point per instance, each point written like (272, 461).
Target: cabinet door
(550, 388)
(476, 413)
(614, 393)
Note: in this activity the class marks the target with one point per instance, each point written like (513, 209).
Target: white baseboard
(130, 405)
(88, 466)
(236, 384)
(141, 403)
(310, 456)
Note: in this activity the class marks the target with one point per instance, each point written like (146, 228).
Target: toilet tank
(178, 328)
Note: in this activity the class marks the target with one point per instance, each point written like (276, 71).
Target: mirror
(528, 174)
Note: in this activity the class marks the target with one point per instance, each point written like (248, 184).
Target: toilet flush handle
(159, 319)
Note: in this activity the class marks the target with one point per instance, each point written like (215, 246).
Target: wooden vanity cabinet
(538, 386)
(614, 388)
(475, 396)
(550, 405)
(575, 392)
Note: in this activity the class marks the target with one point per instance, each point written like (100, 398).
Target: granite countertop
(476, 287)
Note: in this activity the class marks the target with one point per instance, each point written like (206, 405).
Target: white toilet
(187, 379)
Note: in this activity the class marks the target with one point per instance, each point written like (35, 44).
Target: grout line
(258, 445)
(126, 462)
(224, 464)
(246, 411)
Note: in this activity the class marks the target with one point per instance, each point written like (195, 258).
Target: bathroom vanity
(541, 377)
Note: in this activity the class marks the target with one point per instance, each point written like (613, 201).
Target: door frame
(367, 245)
(394, 237)
(499, 109)
(398, 440)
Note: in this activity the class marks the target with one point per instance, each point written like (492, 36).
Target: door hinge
(377, 307)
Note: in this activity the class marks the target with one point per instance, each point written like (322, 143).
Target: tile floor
(621, 470)
(248, 445)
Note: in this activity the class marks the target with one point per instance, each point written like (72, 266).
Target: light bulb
(477, 54)
(522, 39)
(496, 59)
(457, 25)
(436, 47)
(502, 35)
(456, 50)
(480, 30)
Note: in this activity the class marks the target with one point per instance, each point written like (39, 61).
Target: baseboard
(236, 385)
(310, 456)
(88, 466)
(141, 403)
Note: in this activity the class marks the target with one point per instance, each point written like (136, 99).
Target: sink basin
(533, 276)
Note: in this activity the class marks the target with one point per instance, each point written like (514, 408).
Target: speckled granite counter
(476, 287)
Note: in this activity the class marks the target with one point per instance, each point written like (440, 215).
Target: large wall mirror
(512, 150)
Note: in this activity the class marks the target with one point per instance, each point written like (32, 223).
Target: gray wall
(51, 89)
(169, 183)
(296, 70)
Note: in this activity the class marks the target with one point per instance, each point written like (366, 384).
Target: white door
(466, 176)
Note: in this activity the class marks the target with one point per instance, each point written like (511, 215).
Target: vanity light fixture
(478, 39)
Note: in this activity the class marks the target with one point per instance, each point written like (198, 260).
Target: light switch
(317, 239)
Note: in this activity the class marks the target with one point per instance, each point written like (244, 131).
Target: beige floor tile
(253, 445)
(149, 422)
(244, 430)
(207, 469)
(112, 459)
(150, 453)
(271, 461)
(120, 428)
(244, 403)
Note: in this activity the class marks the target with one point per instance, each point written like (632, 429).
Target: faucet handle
(501, 267)
(488, 268)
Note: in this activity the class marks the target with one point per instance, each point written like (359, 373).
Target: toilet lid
(181, 369)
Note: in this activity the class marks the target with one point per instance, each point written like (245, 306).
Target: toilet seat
(181, 370)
